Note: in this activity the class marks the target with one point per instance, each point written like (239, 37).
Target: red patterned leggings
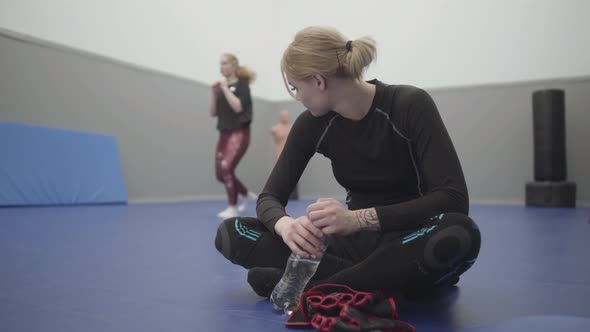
(231, 147)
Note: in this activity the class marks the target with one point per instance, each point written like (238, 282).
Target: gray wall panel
(167, 139)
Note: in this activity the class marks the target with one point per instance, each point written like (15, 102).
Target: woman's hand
(301, 236)
(215, 87)
(222, 84)
(331, 217)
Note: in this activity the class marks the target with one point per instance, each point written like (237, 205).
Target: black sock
(264, 279)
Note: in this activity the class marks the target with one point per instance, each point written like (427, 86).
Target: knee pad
(236, 238)
(222, 240)
(456, 240)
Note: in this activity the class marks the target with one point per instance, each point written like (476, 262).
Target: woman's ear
(319, 81)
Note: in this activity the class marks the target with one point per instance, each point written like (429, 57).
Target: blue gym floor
(153, 267)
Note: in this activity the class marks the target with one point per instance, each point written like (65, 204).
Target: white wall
(441, 43)
(434, 43)
(182, 37)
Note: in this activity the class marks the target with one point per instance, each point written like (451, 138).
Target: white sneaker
(245, 200)
(229, 212)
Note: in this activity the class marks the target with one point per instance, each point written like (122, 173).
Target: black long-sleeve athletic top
(399, 159)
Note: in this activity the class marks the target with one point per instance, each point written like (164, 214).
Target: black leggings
(414, 261)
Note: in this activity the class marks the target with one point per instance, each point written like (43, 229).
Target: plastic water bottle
(299, 270)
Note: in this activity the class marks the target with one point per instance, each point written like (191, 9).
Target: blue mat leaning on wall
(50, 166)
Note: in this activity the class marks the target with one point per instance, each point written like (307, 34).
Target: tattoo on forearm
(368, 220)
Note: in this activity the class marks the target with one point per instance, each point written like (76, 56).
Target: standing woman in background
(232, 104)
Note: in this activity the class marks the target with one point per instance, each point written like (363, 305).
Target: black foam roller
(556, 194)
(549, 135)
